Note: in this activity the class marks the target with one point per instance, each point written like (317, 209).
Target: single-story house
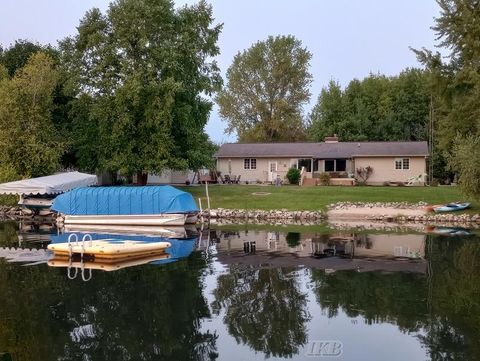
(393, 162)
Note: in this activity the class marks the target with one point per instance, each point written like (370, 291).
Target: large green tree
(16, 55)
(29, 143)
(455, 84)
(375, 108)
(139, 74)
(267, 86)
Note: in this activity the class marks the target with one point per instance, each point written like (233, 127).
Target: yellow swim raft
(112, 249)
(105, 264)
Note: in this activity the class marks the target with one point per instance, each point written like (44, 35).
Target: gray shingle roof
(322, 150)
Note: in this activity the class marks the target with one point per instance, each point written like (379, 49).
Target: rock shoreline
(16, 213)
(400, 212)
(262, 215)
(389, 212)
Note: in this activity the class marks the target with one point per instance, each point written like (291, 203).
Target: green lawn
(314, 198)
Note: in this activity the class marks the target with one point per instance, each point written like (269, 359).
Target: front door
(272, 171)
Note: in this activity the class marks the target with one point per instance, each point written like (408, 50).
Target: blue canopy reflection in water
(180, 248)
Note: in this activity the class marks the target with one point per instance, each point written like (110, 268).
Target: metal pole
(430, 139)
(201, 210)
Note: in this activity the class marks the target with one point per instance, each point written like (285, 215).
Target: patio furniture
(237, 181)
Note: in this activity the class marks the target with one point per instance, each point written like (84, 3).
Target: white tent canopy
(52, 184)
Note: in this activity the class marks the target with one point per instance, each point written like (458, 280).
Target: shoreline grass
(318, 198)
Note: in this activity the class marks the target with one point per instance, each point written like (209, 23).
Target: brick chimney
(333, 139)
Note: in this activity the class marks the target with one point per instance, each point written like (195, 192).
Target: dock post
(201, 210)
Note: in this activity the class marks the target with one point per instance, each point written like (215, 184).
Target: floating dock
(106, 264)
(107, 249)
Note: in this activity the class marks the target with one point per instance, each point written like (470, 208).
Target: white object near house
(170, 176)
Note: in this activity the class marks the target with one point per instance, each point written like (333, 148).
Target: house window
(330, 165)
(249, 163)
(402, 163)
(307, 163)
(315, 165)
(340, 165)
(335, 165)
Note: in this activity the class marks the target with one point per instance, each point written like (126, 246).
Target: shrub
(363, 173)
(293, 176)
(386, 184)
(293, 239)
(324, 179)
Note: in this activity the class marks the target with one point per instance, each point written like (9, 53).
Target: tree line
(131, 92)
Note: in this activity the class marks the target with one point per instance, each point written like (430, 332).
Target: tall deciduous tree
(139, 74)
(29, 144)
(456, 87)
(268, 84)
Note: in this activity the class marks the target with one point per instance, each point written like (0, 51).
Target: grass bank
(314, 198)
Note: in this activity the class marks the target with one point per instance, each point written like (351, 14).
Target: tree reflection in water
(378, 297)
(139, 313)
(264, 308)
(454, 296)
(152, 313)
(443, 305)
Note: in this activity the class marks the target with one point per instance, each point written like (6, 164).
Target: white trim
(249, 163)
(272, 175)
(402, 162)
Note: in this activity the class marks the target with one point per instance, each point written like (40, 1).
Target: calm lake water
(243, 293)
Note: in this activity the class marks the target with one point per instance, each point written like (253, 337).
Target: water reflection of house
(391, 245)
(344, 244)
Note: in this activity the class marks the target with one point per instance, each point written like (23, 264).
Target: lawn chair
(221, 179)
(416, 179)
(234, 179)
(227, 179)
(238, 179)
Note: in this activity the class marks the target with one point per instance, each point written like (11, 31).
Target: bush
(363, 174)
(324, 179)
(9, 200)
(293, 176)
(293, 239)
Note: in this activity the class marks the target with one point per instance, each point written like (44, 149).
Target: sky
(348, 38)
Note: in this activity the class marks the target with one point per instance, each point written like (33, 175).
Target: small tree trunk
(142, 178)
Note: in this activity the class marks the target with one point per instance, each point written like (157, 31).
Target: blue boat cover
(124, 201)
(180, 248)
